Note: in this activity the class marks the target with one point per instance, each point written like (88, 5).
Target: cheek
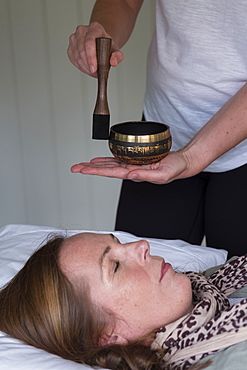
(134, 293)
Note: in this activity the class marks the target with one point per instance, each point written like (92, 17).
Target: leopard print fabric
(212, 325)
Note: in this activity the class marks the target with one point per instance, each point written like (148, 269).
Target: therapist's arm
(110, 18)
(226, 129)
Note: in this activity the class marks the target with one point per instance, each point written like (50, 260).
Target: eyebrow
(107, 250)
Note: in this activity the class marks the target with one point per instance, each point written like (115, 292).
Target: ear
(112, 339)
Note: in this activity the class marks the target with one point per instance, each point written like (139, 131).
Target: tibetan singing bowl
(140, 142)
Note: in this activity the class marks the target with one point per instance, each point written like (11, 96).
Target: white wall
(46, 115)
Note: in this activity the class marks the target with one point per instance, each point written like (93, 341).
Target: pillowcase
(234, 357)
(18, 242)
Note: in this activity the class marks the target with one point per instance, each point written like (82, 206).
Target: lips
(164, 268)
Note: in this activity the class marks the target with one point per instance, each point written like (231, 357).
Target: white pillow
(18, 242)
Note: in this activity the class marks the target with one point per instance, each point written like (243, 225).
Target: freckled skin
(127, 282)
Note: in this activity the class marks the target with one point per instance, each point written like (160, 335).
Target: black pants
(210, 204)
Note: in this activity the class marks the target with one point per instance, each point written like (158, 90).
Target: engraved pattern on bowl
(140, 142)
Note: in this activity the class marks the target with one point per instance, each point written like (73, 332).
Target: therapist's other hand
(82, 50)
(174, 166)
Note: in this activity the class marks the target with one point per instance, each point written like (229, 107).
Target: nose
(140, 251)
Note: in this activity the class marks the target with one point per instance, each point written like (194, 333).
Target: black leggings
(210, 204)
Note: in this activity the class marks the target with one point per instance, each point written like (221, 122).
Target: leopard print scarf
(212, 325)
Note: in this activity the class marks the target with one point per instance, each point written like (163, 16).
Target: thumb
(153, 176)
(116, 58)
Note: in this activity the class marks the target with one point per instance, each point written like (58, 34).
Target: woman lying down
(90, 299)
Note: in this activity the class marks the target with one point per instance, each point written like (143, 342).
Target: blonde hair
(40, 307)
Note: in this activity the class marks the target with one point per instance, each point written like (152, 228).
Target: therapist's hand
(174, 166)
(82, 50)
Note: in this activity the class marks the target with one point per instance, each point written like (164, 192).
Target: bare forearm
(226, 129)
(118, 17)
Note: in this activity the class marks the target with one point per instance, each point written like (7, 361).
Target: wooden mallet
(101, 114)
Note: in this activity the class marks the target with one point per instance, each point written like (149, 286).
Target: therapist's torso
(197, 60)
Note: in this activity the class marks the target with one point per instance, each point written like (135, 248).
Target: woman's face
(142, 291)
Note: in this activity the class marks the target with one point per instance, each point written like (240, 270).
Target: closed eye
(116, 266)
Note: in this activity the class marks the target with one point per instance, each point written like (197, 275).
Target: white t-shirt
(197, 60)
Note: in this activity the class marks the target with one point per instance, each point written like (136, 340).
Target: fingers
(112, 167)
(170, 168)
(105, 160)
(100, 170)
(107, 167)
(116, 169)
(82, 48)
(100, 162)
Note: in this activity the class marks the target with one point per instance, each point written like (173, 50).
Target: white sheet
(17, 242)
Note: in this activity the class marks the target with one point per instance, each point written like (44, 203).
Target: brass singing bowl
(140, 142)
